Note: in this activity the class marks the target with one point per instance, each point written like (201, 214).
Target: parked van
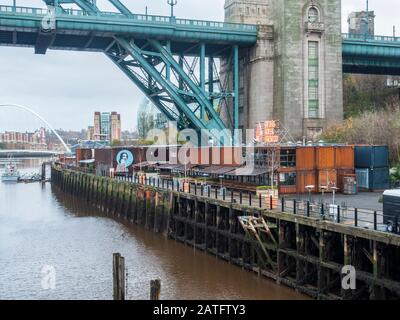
(391, 210)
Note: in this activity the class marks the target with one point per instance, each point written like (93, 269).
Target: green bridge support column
(203, 75)
(236, 88)
(168, 66)
(211, 76)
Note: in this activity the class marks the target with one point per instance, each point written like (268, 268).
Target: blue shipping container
(371, 156)
(373, 179)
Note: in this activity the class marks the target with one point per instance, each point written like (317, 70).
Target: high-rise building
(115, 126)
(96, 129)
(107, 126)
(362, 23)
(90, 133)
(294, 72)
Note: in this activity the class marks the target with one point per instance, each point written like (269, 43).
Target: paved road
(364, 200)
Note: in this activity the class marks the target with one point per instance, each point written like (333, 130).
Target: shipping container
(304, 179)
(363, 178)
(375, 179)
(327, 179)
(239, 156)
(325, 158)
(226, 156)
(287, 190)
(103, 156)
(349, 184)
(341, 174)
(205, 156)
(287, 181)
(83, 154)
(305, 158)
(371, 156)
(344, 157)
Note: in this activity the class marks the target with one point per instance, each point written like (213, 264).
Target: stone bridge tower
(294, 73)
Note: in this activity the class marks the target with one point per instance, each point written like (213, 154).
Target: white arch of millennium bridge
(48, 125)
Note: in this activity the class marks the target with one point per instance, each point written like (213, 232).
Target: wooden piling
(118, 277)
(155, 289)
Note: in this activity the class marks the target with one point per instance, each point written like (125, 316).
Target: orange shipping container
(205, 156)
(304, 179)
(305, 158)
(344, 157)
(325, 158)
(238, 158)
(327, 178)
(226, 156)
(194, 156)
(287, 190)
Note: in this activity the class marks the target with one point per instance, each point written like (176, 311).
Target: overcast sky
(67, 87)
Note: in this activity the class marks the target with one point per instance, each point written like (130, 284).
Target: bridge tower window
(313, 15)
(313, 79)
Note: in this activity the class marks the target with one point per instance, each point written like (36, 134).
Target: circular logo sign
(124, 159)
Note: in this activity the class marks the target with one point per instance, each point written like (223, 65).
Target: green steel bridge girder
(371, 55)
(158, 87)
(90, 6)
(138, 25)
(136, 53)
(199, 92)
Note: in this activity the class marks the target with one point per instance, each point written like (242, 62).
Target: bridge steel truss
(177, 86)
(174, 62)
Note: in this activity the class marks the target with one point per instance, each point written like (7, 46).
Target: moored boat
(10, 173)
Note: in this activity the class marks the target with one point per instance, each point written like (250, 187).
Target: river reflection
(41, 226)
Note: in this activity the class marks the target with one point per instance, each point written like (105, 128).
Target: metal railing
(135, 17)
(341, 214)
(355, 217)
(360, 37)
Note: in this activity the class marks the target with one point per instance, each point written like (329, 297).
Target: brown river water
(40, 226)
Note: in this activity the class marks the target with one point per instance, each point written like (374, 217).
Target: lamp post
(310, 188)
(172, 3)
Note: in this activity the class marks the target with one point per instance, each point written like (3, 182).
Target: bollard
(356, 217)
(240, 197)
(294, 206)
(308, 208)
(271, 205)
(260, 200)
(250, 199)
(283, 204)
(375, 220)
(338, 214)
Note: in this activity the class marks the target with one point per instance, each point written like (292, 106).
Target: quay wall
(301, 252)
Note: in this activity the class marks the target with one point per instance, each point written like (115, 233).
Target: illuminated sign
(266, 132)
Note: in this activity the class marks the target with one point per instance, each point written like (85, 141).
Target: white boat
(11, 173)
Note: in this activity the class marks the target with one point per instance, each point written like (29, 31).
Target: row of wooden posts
(119, 280)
